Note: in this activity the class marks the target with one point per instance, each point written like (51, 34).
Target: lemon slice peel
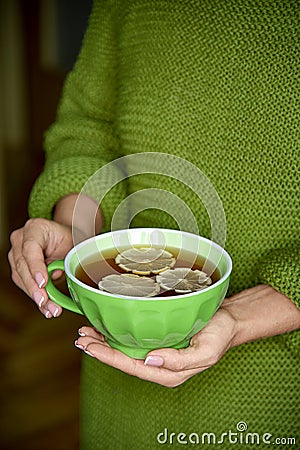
(183, 280)
(145, 260)
(130, 285)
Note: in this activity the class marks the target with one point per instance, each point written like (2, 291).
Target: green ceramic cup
(137, 325)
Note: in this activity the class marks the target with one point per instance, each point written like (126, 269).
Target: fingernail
(53, 310)
(48, 315)
(81, 333)
(156, 361)
(38, 298)
(88, 353)
(78, 345)
(40, 280)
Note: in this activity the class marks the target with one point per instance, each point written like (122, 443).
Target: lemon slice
(183, 280)
(129, 284)
(143, 261)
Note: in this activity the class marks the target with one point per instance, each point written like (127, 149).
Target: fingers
(20, 273)
(26, 257)
(91, 332)
(31, 288)
(94, 344)
(172, 359)
(168, 367)
(35, 242)
(29, 271)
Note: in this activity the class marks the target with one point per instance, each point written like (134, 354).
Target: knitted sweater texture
(215, 83)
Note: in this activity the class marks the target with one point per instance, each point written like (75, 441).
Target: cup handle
(57, 296)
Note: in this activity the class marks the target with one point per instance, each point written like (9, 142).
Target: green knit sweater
(216, 83)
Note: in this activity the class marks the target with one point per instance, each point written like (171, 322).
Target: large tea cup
(137, 325)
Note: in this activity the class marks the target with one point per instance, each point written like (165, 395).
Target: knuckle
(134, 370)
(15, 277)
(170, 385)
(19, 263)
(14, 236)
(214, 359)
(34, 223)
(10, 257)
(179, 365)
(27, 245)
(178, 380)
(31, 223)
(174, 383)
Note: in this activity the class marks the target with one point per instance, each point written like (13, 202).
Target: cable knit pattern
(216, 83)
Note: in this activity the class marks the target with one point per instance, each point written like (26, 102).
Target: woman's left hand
(252, 314)
(167, 366)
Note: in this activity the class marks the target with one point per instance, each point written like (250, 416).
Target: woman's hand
(33, 246)
(167, 366)
(252, 314)
(41, 241)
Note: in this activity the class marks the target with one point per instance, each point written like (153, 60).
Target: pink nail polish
(40, 280)
(81, 333)
(78, 345)
(38, 298)
(88, 353)
(48, 315)
(156, 361)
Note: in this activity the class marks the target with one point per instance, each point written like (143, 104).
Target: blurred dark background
(40, 367)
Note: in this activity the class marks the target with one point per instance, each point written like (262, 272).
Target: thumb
(172, 359)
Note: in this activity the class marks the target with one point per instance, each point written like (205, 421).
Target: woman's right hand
(33, 246)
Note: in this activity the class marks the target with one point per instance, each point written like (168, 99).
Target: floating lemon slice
(143, 261)
(183, 280)
(129, 284)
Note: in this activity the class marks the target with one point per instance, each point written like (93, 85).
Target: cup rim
(146, 229)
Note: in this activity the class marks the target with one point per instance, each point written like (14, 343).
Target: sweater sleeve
(281, 270)
(82, 139)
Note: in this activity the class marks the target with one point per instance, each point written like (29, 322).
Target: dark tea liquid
(94, 268)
